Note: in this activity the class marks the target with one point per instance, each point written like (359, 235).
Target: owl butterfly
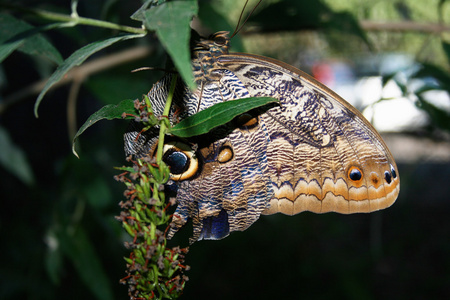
(312, 152)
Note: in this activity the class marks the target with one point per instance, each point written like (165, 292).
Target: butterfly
(312, 152)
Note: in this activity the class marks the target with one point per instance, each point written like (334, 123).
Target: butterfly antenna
(238, 26)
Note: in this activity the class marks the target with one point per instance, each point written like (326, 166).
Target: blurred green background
(59, 238)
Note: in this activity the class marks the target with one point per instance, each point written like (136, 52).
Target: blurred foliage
(430, 78)
(60, 238)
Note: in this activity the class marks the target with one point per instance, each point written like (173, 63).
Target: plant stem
(75, 19)
(163, 126)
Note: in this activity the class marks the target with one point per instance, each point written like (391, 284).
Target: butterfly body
(313, 152)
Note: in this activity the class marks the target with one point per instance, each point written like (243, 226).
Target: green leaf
(13, 159)
(17, 34)
(139, 14)
(216, 115)
(108, 112)
(171, 22)
(76, 59)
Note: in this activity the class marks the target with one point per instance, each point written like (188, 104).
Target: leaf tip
(36, 114)
(75, 153)
(36, 104)
(73, 149)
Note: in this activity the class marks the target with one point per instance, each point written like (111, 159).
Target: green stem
(75, 19)
(163, 127)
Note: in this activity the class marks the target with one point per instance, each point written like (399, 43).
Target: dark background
(58, 231)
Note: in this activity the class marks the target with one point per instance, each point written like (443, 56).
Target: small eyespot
(374, 178)
(225, 154)
(393, 172)
(181, 159)
(355, 174)
(387, 177)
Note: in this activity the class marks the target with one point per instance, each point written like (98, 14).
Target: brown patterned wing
(314, 152)
(323, 155)
(223, 185)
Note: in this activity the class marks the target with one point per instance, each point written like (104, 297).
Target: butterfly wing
(231, 187)
(314, 152)
(323, 155)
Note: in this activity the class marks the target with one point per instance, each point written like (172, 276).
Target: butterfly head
(216, 44)
(206, 53)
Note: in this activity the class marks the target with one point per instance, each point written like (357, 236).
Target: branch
(74, 19)
(369, 25)
(403, 26)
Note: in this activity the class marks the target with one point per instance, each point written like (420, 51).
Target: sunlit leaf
(76, 59)
(218, 114)
(171, 22)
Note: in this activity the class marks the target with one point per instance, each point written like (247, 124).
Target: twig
(387, 26)
(403, 26)
(74, 19)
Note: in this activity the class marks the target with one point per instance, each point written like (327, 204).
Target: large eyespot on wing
(181, 159)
